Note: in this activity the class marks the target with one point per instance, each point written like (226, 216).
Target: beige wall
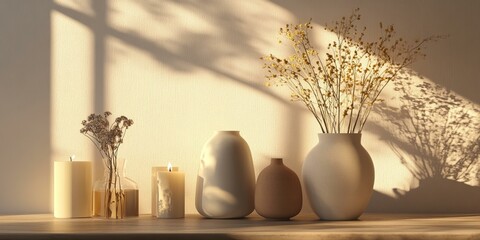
(184, 69)
(25, 108)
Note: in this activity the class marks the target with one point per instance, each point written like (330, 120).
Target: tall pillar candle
(168, 192)
(72, 189)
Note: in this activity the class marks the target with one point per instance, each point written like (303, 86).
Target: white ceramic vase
(226, 178)
(338, 176)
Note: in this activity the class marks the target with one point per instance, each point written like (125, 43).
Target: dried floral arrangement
(340, 88)
(107, 139)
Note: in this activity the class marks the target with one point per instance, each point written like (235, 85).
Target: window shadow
(192, 51)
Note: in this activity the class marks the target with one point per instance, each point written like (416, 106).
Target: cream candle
(72, 189)
(168, 192)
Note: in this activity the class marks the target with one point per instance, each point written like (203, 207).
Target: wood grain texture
(370, 226)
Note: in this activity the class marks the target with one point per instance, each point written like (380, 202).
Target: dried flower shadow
(436, 136)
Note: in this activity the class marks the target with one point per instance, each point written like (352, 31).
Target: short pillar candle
(72, 189)
(168, 192)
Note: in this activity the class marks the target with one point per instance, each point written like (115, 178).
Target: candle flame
(72, 157)
(169, 167)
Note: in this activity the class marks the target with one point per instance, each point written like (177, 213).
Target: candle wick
(71, 158)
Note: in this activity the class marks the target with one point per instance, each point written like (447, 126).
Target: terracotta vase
(338, 176)
(278, 194)
(226, 177)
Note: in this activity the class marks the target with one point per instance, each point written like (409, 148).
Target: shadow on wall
(193, 50)
(25, 182)
(436, 136)
(435, 195)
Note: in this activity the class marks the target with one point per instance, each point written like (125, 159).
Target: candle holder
(168, 192)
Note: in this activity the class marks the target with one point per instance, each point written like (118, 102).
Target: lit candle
(168, 192)
(72, 189)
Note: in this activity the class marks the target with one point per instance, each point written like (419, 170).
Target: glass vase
(115, 196)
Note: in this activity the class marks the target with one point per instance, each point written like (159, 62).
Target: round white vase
(338, 176)
(226, 178)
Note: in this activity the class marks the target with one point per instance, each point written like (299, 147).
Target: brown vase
(278, 194)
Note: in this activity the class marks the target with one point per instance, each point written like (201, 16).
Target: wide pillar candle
(168, 193)
(72, 189)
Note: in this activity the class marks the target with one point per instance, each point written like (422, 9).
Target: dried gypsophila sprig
(106, 137)
(341, 88)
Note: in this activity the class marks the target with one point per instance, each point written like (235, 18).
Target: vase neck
(228, 132)
(118, 169)
(276, 161)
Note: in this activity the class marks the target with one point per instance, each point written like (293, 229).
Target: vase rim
(72, 161)
(350, 136)
(339, 133)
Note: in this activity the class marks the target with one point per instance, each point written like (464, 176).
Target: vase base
(130, 204)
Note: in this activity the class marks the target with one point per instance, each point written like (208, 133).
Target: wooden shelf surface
(370, 226)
